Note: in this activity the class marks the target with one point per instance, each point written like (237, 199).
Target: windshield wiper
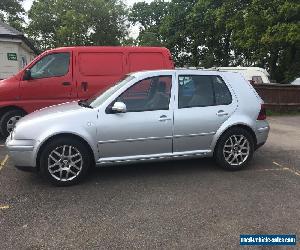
(83, 103)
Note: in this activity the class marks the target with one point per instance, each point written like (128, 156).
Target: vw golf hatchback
(150, 115)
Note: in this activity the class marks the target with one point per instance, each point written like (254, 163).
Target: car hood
(54, 112)
(65, 118)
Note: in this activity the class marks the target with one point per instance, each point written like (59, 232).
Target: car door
(145, 130)
(203, 104)
(51, 81)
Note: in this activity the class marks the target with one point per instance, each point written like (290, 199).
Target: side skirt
(154, 157)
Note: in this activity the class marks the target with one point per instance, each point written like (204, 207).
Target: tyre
(8, 121)
(64, 161)
(234, 149)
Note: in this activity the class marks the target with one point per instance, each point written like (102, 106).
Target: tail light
(262, 113)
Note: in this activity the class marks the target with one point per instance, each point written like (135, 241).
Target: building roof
(7, 31)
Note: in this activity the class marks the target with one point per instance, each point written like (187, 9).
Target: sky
(134, 31)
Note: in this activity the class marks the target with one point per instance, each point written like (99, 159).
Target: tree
(176, 33)
(149, 17)
(269, 36)
(264, 33)
(77, 22)
(12, 12)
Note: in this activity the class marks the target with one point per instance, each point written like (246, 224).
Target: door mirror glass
(27, 75)
(119, 107)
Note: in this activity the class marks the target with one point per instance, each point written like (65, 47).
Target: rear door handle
(164, 118)
(84, 86)
(221, 113)
(66, 83)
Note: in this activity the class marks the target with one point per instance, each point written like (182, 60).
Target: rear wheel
(234, 149)
(64, 161)
(8, 121)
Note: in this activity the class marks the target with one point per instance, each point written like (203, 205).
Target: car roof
(183, 71)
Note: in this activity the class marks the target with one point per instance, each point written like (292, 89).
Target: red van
(72, 73)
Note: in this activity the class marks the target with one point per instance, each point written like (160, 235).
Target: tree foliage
(207, 33)
(149, 17)
(56, 23)
(12, 12)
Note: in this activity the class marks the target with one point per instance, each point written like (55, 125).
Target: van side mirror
(27, 75)
(119, 107)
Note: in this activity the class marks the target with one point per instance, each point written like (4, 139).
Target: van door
(138, 61)
(50, 82)
(97, 71)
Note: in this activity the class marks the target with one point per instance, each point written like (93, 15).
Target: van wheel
(8, 121)
(64, 161)
(234, 149)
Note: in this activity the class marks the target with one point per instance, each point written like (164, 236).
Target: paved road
(172, 205)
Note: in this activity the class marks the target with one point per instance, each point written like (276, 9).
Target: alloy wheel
(12, 122)
(65, 163)
(236, 150)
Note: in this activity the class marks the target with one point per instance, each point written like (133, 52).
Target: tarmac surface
(191, 204)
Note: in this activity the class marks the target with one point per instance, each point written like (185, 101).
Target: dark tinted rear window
(222, 93)
(202, 91)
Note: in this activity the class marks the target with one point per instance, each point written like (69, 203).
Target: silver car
(150, 115)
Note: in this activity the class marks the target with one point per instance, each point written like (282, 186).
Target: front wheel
(234, 149)
(64, 161)
(8, 121)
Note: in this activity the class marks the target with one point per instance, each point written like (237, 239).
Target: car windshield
(101, 97)
(296, 81)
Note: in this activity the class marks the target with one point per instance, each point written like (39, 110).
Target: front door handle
(66, 83)
(164, 118)
(221, 113)
(84, 86)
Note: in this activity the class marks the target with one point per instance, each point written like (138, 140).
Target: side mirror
(119, 107)
(27, 75)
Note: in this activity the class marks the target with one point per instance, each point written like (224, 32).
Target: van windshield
(101, 97)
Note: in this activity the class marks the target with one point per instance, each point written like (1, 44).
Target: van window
(52, 65)
(101, 64)
(145, 61)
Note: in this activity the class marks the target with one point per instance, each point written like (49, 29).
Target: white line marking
(2, 145)
(3, 207)
(287, 169)
(2, 164)
(269, 169)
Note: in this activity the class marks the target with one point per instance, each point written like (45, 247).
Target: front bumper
(22, 152)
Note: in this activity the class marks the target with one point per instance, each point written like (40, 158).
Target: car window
(222, 93)
(202, 91)
(296, 81)
(195, 91)
(257, 80)
(52, 65)
(148, 94)
(99, 98)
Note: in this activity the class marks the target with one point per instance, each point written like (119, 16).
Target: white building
(15, 51)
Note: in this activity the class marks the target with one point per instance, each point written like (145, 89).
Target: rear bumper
(22, 153)
(262, 133)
